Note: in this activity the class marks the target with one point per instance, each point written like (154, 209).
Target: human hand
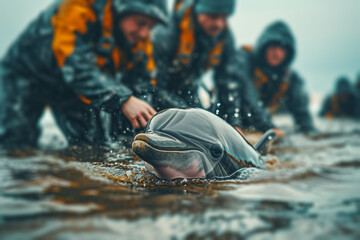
(138, 112)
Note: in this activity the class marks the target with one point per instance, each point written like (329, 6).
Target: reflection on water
(311, 191)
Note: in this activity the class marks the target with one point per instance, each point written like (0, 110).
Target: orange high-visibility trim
(260, 79)
(149, 49)
(153, 82)
(116, 55)
(275, 101)
(108, 20)
(187, 37)
(248, 48)
(84, 99)
(72, 17)
(138, 51)
(150, 66)
(329, 116)
(101, 61)
(129, 65)
(178, 4)
(282, 90)
(215, 55)
(187, 42)
(141, 49)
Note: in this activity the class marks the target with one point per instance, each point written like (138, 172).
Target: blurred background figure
(267, 65)
(197, 40)
(357, 83)
(343, 103)
(82, 58)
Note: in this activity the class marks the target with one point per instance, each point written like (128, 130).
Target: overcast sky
(327, 32)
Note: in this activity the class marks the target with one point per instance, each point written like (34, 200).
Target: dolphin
(194, 143)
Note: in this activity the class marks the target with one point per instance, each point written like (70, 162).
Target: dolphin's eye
(216, 151)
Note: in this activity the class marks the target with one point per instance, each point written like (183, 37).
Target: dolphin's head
(193, 143)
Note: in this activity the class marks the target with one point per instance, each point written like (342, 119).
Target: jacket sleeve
(256, 114)
(227, 85)
(248, 102)
(298, 104)
(74, 45)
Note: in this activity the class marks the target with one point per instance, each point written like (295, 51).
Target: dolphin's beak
(169, 157)
(154, 149)
(162, 142)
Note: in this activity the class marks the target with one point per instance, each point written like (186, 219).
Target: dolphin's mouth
(169, 157)
(163, 142)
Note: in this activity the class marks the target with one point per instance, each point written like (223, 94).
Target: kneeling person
(267, 66)
(80, 57)
(197, 40)
(344, 102)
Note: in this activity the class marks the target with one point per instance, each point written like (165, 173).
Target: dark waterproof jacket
(277, 87)
(182, 80)
(357, 84)
(343, 103)
(72, 58)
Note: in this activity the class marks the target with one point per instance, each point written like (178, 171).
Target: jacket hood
(277, 33)
(215, 6)
(156, 9)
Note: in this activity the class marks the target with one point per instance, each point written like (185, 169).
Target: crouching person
(81, 57)
(267, 67)
(343, 103)
(198, 39)
(357, 84)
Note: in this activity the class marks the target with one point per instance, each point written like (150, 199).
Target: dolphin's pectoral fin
(264, 144)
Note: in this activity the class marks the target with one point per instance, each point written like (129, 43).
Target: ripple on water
(311, 188)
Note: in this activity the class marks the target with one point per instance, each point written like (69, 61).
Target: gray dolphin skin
(194, 143)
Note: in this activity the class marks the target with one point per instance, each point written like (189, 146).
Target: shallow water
(312, 191)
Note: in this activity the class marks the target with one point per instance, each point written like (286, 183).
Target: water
(312, 191)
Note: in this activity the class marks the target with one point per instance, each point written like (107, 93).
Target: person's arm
(228, 87)
(165, 40)
(74, 46)
(74, 50)
(257, 115)
(298, 104)
(247, 103)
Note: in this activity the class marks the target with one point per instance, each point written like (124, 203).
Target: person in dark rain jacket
(197, 40)
(82, 58)
(357, 88)
(344, 102)
(357, 84)
(267, 66)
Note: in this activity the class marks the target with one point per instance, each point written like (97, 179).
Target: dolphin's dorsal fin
(263, 145)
